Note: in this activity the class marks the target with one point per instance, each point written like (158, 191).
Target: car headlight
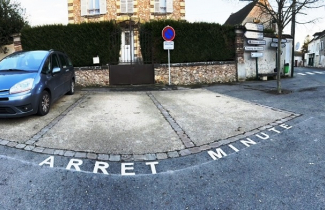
(23, 86)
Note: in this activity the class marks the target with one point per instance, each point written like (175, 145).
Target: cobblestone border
(29, 145)
(187, 142)
(190, 147)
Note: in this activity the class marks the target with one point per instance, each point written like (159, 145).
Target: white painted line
(301, 74)
(317, 72)
(310, 73)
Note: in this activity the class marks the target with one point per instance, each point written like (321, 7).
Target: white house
(316, 52)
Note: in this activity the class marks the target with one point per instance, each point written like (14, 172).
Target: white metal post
(169, 65)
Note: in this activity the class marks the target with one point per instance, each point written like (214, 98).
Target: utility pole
(293, 31)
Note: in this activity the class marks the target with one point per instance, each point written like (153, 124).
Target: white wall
(267, 63)
(322, 61)
(299, 60)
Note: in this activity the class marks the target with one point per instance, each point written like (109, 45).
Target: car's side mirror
(56, 70)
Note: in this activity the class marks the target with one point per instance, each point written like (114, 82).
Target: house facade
(129, 13)
(316, 51)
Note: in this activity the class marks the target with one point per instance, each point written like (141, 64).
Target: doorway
(127, 49)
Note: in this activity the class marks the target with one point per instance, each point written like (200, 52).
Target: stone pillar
(240, 61)
(17, 42)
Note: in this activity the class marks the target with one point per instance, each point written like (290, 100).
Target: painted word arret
(168, 33)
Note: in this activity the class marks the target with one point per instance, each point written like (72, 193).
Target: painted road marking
(128, 168)
(311, 73)
(219, 152)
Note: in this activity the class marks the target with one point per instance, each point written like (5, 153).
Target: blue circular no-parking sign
(168, 33)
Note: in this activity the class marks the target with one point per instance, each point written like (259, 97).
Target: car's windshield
(26, 61)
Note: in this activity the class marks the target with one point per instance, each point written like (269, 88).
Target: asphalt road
(279, 168)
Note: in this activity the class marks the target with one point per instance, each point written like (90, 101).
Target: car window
(63, 61)
(69, 61)
(47, 66)
(50, 63)
(55, 61)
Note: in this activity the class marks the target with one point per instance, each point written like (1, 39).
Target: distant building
(251, 13)
(316, 51)
(298, 58)
(266, 63)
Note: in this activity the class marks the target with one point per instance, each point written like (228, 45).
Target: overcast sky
(40, 12)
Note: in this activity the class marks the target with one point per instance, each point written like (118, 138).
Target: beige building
(129, 13)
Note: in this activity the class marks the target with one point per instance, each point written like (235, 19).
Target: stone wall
(197, 74)
(92, 78)
(181, 74)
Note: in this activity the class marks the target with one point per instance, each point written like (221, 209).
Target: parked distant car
(30, 81)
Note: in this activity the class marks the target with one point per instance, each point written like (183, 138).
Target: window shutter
(123, 6)
(84, 6)
(102, 7)
(170, 6)
(130, 6)
(157, 6)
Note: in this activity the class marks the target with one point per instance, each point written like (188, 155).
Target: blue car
(30, 81)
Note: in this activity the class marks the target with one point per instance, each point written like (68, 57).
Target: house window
(322, 45)
(93, 7)
(163, 6)
(127, 6)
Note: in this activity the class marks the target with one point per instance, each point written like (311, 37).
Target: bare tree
(282, 13)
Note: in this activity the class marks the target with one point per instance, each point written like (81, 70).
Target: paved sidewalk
(141, 125)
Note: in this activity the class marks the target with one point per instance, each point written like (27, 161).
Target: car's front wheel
(44, 103)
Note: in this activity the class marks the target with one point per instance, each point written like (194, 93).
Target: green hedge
(81, 42)
(194, 42)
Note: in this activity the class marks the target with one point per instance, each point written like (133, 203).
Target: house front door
(127, 52)
(131, 69)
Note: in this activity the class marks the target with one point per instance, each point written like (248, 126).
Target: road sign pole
(256, 68)
(168, 34)
(169, 65)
